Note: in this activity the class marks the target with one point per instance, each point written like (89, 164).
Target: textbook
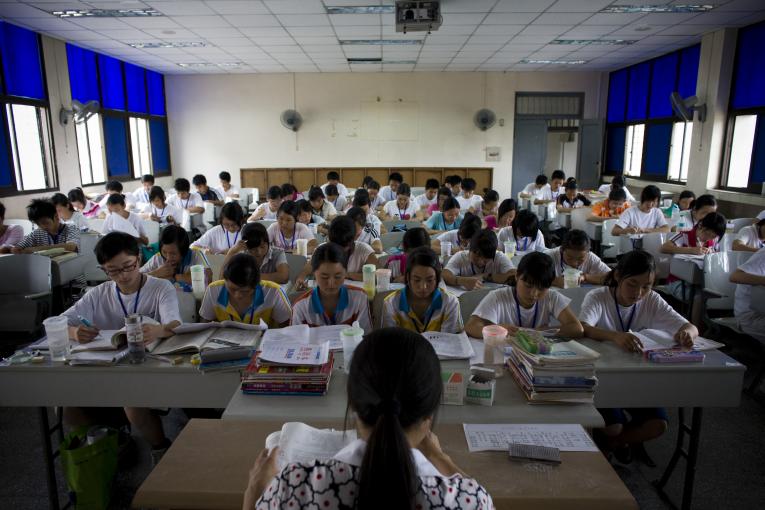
(264, 378)
(450, 345)
(195, 338)
(656, 340)
(301, 443)
(303, 335)
(107, 340)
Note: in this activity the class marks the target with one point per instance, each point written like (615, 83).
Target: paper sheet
(295, 354)
(655, 339)
(299, 442)
(495, 437)
(450, 345)
(329, 334)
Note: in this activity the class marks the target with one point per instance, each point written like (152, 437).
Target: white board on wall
(393, 121)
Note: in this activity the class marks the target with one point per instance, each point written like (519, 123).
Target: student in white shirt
(454, 183)
(115, 188)
(175, 258)
(422, 202)
(537, 190)
(469, 201)
(751, 238)
(376, 202)
(574, 252)
(557, 178)
(321, 207)
(530, 304)
(506, 214)
(185, 199)
(750, 273)
(342, 231)
(287, 230)
(460, 238)
(617, 183)
(272, 262)
(388, 193)
(361, 199)
(269, 209)
(334, 197)
(331, 301)
(227, 189)
(333, 178)
(524, 232)
(489, 208)
(402, 207)
(160, 211)
(122, 220)
(645, 218)
(205, 192)
(221, 238)
(482, 262)
(141, 195)
(365, 232)
(67, 214)
(81, 203)
(105, 307)
(290, 192)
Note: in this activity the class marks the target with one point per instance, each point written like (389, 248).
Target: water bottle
(136, 349)
(368, 277)
(198, 281)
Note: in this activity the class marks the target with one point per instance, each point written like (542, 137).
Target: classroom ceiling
(276, 36)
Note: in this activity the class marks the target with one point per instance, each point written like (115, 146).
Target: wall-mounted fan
(684, 108)
(79, 113)
(484, 119)
(291, 119)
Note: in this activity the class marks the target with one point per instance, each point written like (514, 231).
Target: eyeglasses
(117, 272)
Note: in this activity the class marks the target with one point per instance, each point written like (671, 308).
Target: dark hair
(333, 176)
(650, 193)
(39, 209)
(315, 193)
(2, 211)
(287, 189)
(373, 185)
(484, 243)
(274, 192)
(575, 240)
(571, 184)
(254, 234)
(489, 195)
(536, 269)
(450, 203)
(232, 211)
(507, 205)
(617, 194)
(759, 224)
(116, 199)
(394, 383)
(415, 238)
(686, 193)
(330, 190)
(431, 184)
(342, 231)
(703, 201)
(304, 205)
(114, 243)
(114, 186)
(173, 234)
(444, 192)
(526, 224)
(715, 222)
(470, 226)
(224, 176)
(367, 179)
(618, 180)
(62, 200)
(288, 207)
(182, 185)
(156, 192)
(404, 189)
(395, 176)
(453, 180)
(147, 178)
(328, 252)
(422, 256)
(199, 179)
(632, 263)
(541, 180)
(76, 195)
(242, 270)
(358, 215)
(558, 174)
(468, 184)
(360, 198)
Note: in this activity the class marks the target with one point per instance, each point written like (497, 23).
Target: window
(30, 146)
(633, 149)
(741, 151)
(139, 145)
(90, 147)
(680, 151)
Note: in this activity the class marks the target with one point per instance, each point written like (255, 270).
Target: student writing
(413, 238)
(184, 199)
(175, 257)
(67, 214)
(221, 238)
(269, 209)
(482, 262)
(574, 252)
(50, 232)
(271, 261)
(122, 220)
(645, 218)
(524, 232)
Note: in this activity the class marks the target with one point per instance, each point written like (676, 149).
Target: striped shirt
(352, 306)
(67, 233)
(442, 315)
(268, 303)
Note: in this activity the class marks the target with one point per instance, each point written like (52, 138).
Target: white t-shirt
(140, 196)
(387, 194)
(194, 200)
(499, 307)
(750, 237)
(592, 263)
(459, 264)
(276, 237)
(651, 312)
(377, 202)
(341, 189)
(421, 201)
(634, 217)
(391, 209)
(361, 252)
(756, 266)
(217, 239)
(537, 193)
(132, 225)
(605, 189)
(373, 220)
(78, 220)
(165, 212)
(233, 190)
(327, 210)
(473, 202)
(268, 214)
(339, 203)
(194, 258)
(101, 305)
(368, 235)
(129, 201)
(523, 244)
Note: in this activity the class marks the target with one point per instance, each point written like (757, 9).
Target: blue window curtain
(6, 169)
(112, 85)
(617, 95)
(689, 71)
(22, 62)
(156, 84)
(83, 74)
(135, 82)
(749, 76)
(663, 80)
(637, 96)
(160, 148)
(615, 150)
(115, 143)
(658, 139)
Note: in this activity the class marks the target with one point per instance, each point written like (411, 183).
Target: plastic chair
(296, 264)
(208, 217)
(469, 301)
(96, 224)
(90, 269)
(576, 295)
(187, 306)
(382, 259)
(738, 223)
(245, 197)
(389, 224)
(610, 244)
(216, 264)
(25, 292)
(652, 244)
(152, 230)
(718, 288)
(391, 240)
(377, 307)
(579, 217)
(26, 225)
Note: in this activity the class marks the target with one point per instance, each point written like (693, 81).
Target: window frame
(754, 188)
(92, 182)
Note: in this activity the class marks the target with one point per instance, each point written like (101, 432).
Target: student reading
(272, 262)
(422, 306)
(524, 232)
(127, 292)
(66, 212)
(160, 211)
(175, 257)
(482, 262)
(413, 238)
(185, 199)
(394, 390)
(645, 218)
(460, 238)
(221, 238)
(574, 252)
(50, 232)
(269, 209)
(122, 220)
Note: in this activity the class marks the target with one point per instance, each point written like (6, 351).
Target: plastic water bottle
(368, 276)
(198, 281)
(136, 349)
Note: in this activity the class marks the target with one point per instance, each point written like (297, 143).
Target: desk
(564, 219)
(64, 272)
(690, 273)
(594, 229)
(757, 302)
(207, 467)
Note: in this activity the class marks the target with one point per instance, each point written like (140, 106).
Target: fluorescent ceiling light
(563, 62)
(150, 45)
(210, 64)
(658, 8)
(598, 42)
(381, 42)
(362, 9)
(374, 60)
(106, 13)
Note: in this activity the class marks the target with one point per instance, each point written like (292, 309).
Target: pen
(85, 322)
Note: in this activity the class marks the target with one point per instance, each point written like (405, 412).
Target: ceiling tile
(667, 18)
(202, 21)
(355, 19)
(312, 41)
(253, 20)
(217, 32)
(719, 18)
(238, 7)
(684, 29)
(523, 5)
(128, 34)
(264, 32)
(463, 19)
(543, 30)
(510, 18)
(508, 30)
(580, 5)
(181, 8)
(455, 30)
(172, 34)
(489, 39)
(16, 10)
(49, 23)
(272, 41)
(303, 20)
(231, 42)
(312, 31)
(295, 6)
(285, 48)
(588, 31)
(465, 6)
(100, 23)
(561, 18)
(151, 22)
(447, 40)
(357, 32)
(608, 18)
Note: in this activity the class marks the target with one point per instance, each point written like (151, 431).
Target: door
(590, 153)
(529, 150)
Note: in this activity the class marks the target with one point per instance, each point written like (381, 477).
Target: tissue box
(481, 393)
(454, 387)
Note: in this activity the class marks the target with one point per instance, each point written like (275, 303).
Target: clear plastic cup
(198, 281)
(383, 279)
(302, 247)
(368, 279)
(571, 278)
(351, 337)
(57, 332)
(446, 249)
(493, 337)
(509, 249)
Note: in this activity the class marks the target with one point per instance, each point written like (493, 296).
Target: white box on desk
(481, 392)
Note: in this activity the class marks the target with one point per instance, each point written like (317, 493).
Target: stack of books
(563, 372)
(289, 370)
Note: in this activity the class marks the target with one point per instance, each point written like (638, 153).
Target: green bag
(149, 251)
(89, 469)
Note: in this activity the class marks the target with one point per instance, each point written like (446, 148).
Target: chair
(382, 259)
(187, 306)
(718, 289)
(90, 269)
(152, 230)
(377, 307)
(25, 292)
(469, 301)
(296, 264)
(652, 244)
(738, 223)
(96, 224)
(610, 245)
(391, 240)
(216, 264)
(208, 217)
(245, 197)
(417, 190)
(579, 218)
(576, 295)
(26, 225)
(389, 224)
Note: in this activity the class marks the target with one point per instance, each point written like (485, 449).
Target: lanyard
(251, 310)
(525, 244)
(137, 298)
(518, 310)
(187, 203)
(161, 214)
(146, 194)
(284, 240)
(229, 240)
(619, 314)
(402, 214)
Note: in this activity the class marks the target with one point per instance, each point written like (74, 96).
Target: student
(530, 304)
(321, 207)
(750, 238)
(331, 301)
(221, 238)
(269, 209)
(122, 220)
(611, 314)
(207, 193)
(10, 235)
(226, 189)
(175, 257)
(366, 181)
(506, 213)
(141, 194)
(376, 202)
(557, 178)
(365, 232)
(271, 261)
(684, 199)
(394, 391)
(443, 194)
(460, 238)
(537, 190)
(469, 201)
(67, 214)
(454, 183)
(333, 178)
(612, 207)
(748, 274)
(645, 218)
(50, 231)
(361, 199)
(617, 183)
(482, 262)
(703, 238)
(390, 192)
(306, 215)
(488, 210)
(160, 211)
(342, 231)
(430, 197)
(241, 296)
(290, 192)
(421, 306)
(571, 199)
(285, 232)
(333, 197)
(87, 207)
(448, 218)
(115, 188)
(184, 199)
(575, 253)
(413, 238)
(525, 232)
(402, 208)
(698, 209)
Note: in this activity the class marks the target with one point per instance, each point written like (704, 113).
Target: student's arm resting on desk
(476, 324)
(670, 247)
(32, 249)
(741, 276)
(619, 231)
(626, 341)
(281, 275)
(739, 245)
(468, 282)
(570, 327)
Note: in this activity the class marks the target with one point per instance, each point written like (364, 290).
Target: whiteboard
(390, 121)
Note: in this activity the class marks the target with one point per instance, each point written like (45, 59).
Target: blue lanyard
(518, 310)
(284, 240)
(619, 314)
(137, 298)
(146, 194)
(525, 244)
(160, 214)
(229, 240)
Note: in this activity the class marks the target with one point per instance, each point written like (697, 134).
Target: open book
(194, 338)
(450, 345)
(303, 335)
(655, 340)
(299, 442)
(568, 352)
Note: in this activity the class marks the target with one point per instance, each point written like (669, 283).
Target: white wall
(228, 122)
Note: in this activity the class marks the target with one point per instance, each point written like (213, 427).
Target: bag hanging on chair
(89, 469)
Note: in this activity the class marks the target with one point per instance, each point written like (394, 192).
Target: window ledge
(737, 196)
